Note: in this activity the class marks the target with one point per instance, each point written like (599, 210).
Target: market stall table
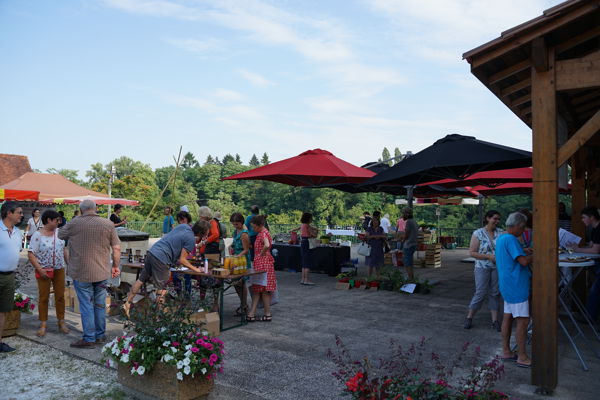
(228, 281)
(568, 273)
(328, 258)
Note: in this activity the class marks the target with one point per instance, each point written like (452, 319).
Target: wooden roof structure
(547, 72)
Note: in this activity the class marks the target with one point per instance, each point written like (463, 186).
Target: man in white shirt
(385, 223)
(10, 247)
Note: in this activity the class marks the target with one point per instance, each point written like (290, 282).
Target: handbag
(364, 249)
(49, 270)
(313, 243)
(386, 247)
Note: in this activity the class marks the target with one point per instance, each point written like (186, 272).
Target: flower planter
(11, 323)
(373, 285)
(161, 383)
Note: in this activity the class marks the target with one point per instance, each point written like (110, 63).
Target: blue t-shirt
(168, 222)
(514, 279)
(251, 232)
(168, 249)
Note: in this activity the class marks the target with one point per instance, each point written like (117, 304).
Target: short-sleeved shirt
(49, 250)
(413, 233)
(10, 247)
(513, 278)
(168, 249)
(401, 225)
(115, 218)
(168, 223)
(91, 239)
(33, 226)
(487, 245)
(385, 224)
(251, 232)
(305, 231)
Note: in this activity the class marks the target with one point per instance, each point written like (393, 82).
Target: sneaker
(82, 344)
(496, 325)
(4, 348)
(468, 323)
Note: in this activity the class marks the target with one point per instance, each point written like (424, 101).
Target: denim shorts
(408, 255)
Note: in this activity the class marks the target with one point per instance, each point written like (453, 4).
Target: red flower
(352, 384)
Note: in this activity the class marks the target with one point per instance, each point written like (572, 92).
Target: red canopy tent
(510, 188)
(312, 168)
(21, 195)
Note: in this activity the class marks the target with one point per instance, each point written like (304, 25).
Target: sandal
(42, 331)
(266, 318)
(250, 318)
(126, 307)
(62, 327)
(239, 313)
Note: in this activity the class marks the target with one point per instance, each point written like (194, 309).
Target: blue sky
(87, 81)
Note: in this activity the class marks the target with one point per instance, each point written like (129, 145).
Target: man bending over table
(172, 248)
(514, 278)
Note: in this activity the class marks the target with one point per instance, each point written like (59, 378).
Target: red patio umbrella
(510, 188)
(312, 168)
(489, 179)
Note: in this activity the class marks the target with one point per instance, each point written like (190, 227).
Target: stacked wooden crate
(433, 255)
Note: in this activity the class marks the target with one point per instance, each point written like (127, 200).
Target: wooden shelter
(547, 71)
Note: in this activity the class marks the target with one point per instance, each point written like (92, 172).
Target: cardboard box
(209, 321)
(342, 285)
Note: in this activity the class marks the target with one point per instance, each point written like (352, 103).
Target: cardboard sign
(409, 287)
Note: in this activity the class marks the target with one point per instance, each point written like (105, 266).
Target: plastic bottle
(206, 265)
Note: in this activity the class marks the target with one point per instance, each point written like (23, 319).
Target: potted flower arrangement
(22, 304)
(164, 354)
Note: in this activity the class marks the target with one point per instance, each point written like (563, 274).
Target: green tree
(209, 160)
(385, 155)
(238, 159)
(189, 161)
(70, 174)
(228, 158)
(254, 161)
(265, 159)
(397, 155)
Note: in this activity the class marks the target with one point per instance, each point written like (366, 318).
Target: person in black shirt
(63, 220)
(591, 219)
(114, 217)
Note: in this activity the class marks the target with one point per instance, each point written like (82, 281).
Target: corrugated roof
(13, 166)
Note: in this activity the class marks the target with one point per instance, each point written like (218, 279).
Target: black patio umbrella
(453, 157)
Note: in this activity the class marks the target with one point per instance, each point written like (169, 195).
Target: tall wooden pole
(545, 218)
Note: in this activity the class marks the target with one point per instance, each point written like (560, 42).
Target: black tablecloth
(328, 258)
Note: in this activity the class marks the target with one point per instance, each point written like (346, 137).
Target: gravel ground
(39, 372)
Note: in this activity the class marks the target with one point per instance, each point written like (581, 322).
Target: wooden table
(228, 282)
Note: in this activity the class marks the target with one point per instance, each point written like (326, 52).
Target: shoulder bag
(49, 271)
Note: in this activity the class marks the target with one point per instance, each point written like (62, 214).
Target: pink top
(304, 231)
(401, 225)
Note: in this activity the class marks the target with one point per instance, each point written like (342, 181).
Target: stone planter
(162, 383)
(11, 323)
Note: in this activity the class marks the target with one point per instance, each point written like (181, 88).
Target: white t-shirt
(10, 246)
(49, 250)
(33, 226)
(385, 224)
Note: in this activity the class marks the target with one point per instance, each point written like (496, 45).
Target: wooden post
(578, 202)
(545, 217)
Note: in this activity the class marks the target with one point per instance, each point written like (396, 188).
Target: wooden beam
(510, 71)
(578, 185)
(544, 372)
(584, 98)
(539, 54)
(526, 110)
(578, 73)
(577, 40)
(517, 38)
(590, 105)
(521, 100)
(579, 138)
(515, 88)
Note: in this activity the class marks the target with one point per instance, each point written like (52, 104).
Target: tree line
(197, 183)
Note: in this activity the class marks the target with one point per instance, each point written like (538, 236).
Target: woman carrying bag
(308, 233)
(48, 255)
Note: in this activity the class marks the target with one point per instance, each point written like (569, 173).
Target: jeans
(593, 302)
(486, 285)
(92, 305)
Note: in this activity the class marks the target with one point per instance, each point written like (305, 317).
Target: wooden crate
(433, 255)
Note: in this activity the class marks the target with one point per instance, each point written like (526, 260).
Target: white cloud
(254, 78)
(219, 111)
(196, 45)
(229, 95)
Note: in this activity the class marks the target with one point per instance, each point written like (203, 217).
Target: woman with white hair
(211, 243)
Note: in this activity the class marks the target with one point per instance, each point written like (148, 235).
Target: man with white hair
(91, 240)
(385, 223)
(514, 278)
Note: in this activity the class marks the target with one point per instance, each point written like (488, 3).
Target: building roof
(12, 166)
(50, 186)
(503, 65)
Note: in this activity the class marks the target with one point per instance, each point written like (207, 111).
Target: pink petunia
(175, 344)
(199, 341)
(213, 357)
(195, 349)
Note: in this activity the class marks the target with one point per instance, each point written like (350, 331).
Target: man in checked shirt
(91, 241)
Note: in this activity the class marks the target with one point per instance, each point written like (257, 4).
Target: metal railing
(153, 228)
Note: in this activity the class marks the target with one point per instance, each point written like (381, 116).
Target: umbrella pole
(480, 207)
(409, 195)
